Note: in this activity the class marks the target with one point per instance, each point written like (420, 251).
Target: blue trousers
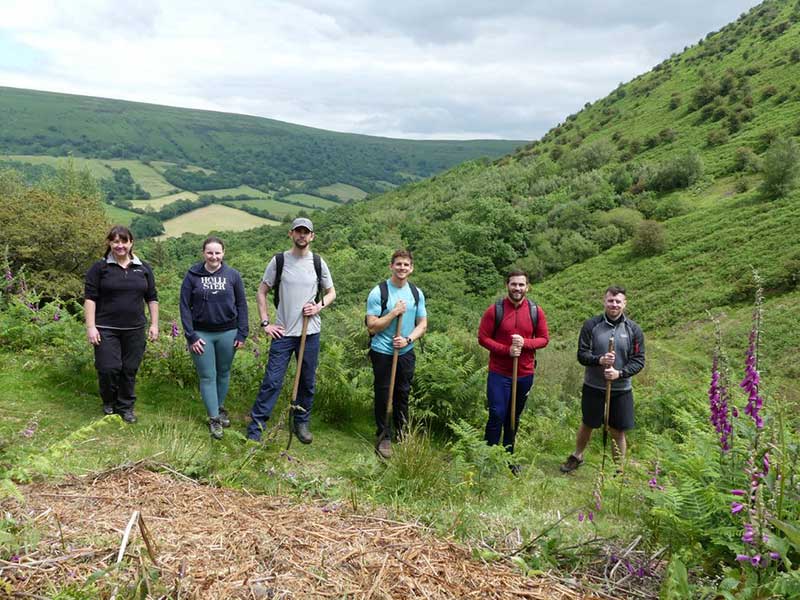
(498, 394)
(214, 368)
(280, 352)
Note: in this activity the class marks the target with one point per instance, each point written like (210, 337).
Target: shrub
(625, 219)
(780, 166)
(650, 239)
(745, 160)
(717, 137)
(679, 172)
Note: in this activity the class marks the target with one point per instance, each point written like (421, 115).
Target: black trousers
(382, 370)
(117, 359)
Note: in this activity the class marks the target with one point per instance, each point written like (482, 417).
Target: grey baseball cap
(302, 222)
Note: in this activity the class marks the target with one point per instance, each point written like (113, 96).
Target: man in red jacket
(513, 327)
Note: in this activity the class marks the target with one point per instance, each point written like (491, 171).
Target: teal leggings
(214, 368)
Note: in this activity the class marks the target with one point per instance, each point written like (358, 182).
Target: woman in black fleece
(117, 288)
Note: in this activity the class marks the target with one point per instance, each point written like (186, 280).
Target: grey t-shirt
(298, 286)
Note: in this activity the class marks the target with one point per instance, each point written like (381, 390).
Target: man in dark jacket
(603, 366)
(514, 327)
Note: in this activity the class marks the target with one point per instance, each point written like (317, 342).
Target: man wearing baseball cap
(303, 287)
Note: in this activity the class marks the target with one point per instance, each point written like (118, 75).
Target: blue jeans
(280, 352)
(498, 394)
(214, 368)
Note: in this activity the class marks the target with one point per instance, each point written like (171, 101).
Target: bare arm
(152, 333)
(89, 312)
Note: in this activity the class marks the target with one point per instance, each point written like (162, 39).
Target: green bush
(745, 160)
(650, 239)
(780, 168)
(677, 173)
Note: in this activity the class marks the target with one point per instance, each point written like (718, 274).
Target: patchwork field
(242, 190)
(344, 191)
(95, 166)
(157, 203)
(275, 207)
(213, 218)
(118, 216)
(310, 200)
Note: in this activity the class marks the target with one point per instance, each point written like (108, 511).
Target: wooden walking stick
(514, 368)
(606, 410)
(387, 426)
(300, 353)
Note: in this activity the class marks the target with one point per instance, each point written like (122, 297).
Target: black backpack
(279, 272)
(499, 310)
(383, 287)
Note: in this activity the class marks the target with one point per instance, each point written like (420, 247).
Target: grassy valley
(678, 185)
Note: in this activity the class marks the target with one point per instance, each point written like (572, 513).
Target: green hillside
(239, 149)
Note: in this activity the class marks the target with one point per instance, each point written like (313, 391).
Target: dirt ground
(195, 541)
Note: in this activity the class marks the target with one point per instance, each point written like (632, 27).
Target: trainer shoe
(515, 470)
(384, 448)
(303, 433)
(215, 427)
(129, 417)
(108, 409)
(224, 419)
(571, 464)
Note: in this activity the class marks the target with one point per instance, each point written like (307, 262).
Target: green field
(212, 218)
(149, 178)
(274, 207)
(310, 200)
(157, 203)
(95, 166)
(119, 215)
(161, 166)
(242, 190)
(344, 191)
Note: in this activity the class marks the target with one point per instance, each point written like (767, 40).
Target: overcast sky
(445, 69)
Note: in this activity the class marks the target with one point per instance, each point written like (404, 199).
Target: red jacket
(515, 320)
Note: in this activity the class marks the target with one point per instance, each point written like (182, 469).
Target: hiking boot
(129, 417)
(571, 464)
(515, 470)
(384, 448)
(108, 409)
(303, 433)
(215, 426)
(224, 419)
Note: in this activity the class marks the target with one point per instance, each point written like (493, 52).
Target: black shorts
(620, 413)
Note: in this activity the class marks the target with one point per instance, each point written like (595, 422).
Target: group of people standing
(213, 309)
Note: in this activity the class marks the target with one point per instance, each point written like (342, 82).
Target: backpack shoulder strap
(498, 315)
(383, 287)
(318, 270)
(534, 314)
(278, 273)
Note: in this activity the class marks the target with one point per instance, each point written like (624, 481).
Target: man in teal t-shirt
(401, 299)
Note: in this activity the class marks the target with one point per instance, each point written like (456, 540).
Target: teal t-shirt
(382, 342)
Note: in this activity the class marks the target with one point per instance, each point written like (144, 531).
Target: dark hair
(121, 232)
(402, 254)
(213, 240)
(615, 290)
(517, 273)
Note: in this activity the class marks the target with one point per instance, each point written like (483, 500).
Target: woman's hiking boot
(224, 419)
(303, 433)
(215, 426)
(384, 448)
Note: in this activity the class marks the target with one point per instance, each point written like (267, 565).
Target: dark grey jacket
(628, 344)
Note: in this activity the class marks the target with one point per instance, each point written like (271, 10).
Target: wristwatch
(409, 341)
(265, 322)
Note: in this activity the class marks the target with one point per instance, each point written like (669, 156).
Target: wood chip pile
(221, 543)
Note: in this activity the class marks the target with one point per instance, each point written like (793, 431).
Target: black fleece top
(213, 302)
(120, 293)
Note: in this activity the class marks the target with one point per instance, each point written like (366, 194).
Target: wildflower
(774, 555)
(718, 405)
(57, 316)
(738, 492)
(590, 517)
(766, 464)
(736, 507)
(742, 558)
(9, 275)
(747, 536)
(755, 560)
(751, 381)
(580, 517)
(174, 331)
